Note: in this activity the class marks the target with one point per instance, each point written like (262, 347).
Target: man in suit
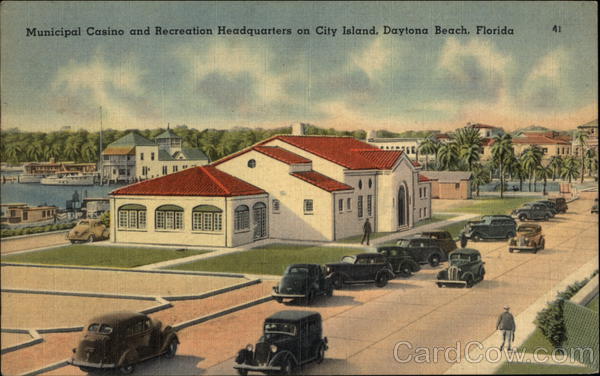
(506, 324)
(366, 232)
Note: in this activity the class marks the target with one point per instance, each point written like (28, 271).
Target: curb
(213, 292)
(587, 293)
(224, 312)
(35, 339)
(47, 368)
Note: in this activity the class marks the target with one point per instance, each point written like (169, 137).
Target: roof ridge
(243, 151)
(215, 180)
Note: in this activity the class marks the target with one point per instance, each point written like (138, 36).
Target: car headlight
(273, 348)
(328, 269)
(249, 347)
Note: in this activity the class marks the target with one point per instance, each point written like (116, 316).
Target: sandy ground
(14, 245)
(439, 205)
(24, 311)
(10, 339)
(111, 282)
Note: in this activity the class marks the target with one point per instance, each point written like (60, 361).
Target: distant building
(552, 144)
(23, 215)
(592, 130)
(486, 131)
(455, 185)
(134, 157)
(95, 207)
(408, 145)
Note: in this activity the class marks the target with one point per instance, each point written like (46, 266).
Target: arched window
(360, 184)
(132, 216)
(252, 163)
(207, 218)
(169, 217)
(242, 218)
(370, 183)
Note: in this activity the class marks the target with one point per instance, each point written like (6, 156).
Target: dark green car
(491, 227)
(466, 269)
(403, 264)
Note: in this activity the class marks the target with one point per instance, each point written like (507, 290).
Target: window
(360, 184)
(141, 156)
(207, 218)
(165, 170)
(412, 148)
(275, 206)
(425, 212)
(420, 192)
(174, 168)
(370, 183)
(152, 156)
(370, 205)
(26, 215)
(349, 204)
(308, 206)
(425, 192)
(169, 217)
(106, 158)
(341, 205)
(420, 213)
(132, 216)
(252, 163)
(242, 218)
(457, 185)
(360, 206)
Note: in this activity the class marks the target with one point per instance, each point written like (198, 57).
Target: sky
(536, 76)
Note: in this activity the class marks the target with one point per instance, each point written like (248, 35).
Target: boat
(30, 178)
(69, 178)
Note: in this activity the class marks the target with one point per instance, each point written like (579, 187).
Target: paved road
(365, 324)
(32, 242)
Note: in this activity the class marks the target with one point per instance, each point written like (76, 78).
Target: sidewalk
(216, 252)
(525, 324)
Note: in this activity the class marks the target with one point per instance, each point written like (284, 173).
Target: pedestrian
(366, 232)
(463, 240)
(506, 324)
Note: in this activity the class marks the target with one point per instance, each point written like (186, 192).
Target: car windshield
(297, 270)
(527, 229)
(527, 206)
(403, 243)
(459, 257)
(348, 259)
(102, 329)
(280, 328)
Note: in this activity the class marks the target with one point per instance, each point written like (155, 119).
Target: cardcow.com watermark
(476, 352)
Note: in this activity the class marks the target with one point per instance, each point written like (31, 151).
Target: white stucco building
(304, 188)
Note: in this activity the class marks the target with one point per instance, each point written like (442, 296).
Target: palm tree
(465, 137)
(580, 139)
(531, 158)
(72, 150)
(591, 161)
(470, 154)
(447, 155)
(543, 173)
(34, 151)
(89, 151)
(555, 164)
(480, 176)
(13, 152)
(427, 147)
(570, 169)
(502, 149)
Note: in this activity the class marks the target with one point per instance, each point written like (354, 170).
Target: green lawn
(541, 369)
(271, 259)
(493, 205)
(593, 304)
(537, 340)
(87, 255)
(358, 238)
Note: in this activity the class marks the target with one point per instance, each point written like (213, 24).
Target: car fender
(463, 277)
(335, 275)
(168, 337)
(129, 356)
(387, 271)
(283, 355)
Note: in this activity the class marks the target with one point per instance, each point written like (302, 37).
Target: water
(38, 194)
(551, 186)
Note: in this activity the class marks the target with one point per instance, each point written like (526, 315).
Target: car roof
(497, 216)
(303, 265)
(367, 255)
(292, 315)
(530, 225)
(466, 251)
(115, 318)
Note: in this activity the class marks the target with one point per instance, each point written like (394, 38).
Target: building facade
(450, 185)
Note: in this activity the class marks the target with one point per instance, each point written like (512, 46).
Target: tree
(580, 139)
(555, 164)
(480, 176)
(591, 161)
(543, 173)
(89, 151)
(470, 154)
(531, 158)
(427, 147)
(502, 149)
(13, 152)
(447, 155)
(570, 169)
(466, 137)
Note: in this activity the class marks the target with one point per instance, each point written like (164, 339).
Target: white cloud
(546, 86)
(375, 58)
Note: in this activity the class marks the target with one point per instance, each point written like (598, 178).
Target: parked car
(360, 268)
(303, 281)
(290, 339)
(403, 263)
(532, 212)
(464, 270)
(548, 204)
(88, 230)
(443, 239)
(529, 238)
(491, 227)
(561, 204)
(120, 340)
(595, 207)
(424, 250)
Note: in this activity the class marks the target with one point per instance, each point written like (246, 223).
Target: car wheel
(320, 353)
(242, 372)
(171, 349)
(73, 241)
(510, 235)
(128, 369)
(546, 217)
(543, 243)
(511, 250)
(434, 260)
(338, 282)
(286, 368)
(382, 280)
(469, 281)
(279, 300)
(522, 217)
(91, 239)
(405, 270)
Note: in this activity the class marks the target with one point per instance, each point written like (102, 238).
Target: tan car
(88, 230)
(529, 238)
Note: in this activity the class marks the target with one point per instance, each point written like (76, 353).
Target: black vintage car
(290, 339)
(549, 205)
(120, 340)
(560, 203)
(442, 238)
(361, 268)
(491, 227)
(424, 250)
(303, 281)
(464, 270)
(403, 264)
(532, 211)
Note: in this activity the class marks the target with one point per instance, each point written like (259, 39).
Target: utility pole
(100, 151)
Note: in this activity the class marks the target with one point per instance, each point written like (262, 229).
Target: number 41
(556, 28)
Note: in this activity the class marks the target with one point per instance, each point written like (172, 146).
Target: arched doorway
(259, 215)
(402, 206)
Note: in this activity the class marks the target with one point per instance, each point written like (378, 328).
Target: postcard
(336, 188)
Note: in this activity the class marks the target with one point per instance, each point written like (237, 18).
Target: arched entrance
(259, 215)
(402, 206)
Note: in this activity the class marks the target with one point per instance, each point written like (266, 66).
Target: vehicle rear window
(93, 327)
(297, 270)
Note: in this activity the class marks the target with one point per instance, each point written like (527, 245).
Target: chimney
(298, 129)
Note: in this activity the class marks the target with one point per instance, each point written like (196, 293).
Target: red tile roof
(196, 181)
(423, 178)
(281, 154)
(321, 181)
(381, 159)
(539, 139)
